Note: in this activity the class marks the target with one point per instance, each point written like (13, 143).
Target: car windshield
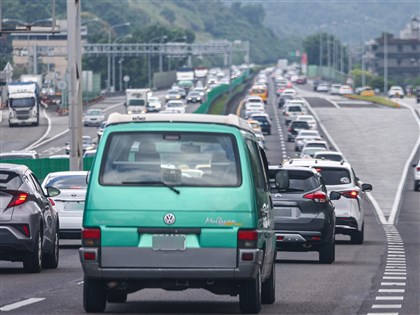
(95, 112)
(16, 157)
(22, 102)
(174, 104)
(335, 175)
(68, 182)
(135, 102)
(308, 134)
(312, 150)
(294, 109)
(299, 124)
(315, 144)
(179, 159)
(9, 180)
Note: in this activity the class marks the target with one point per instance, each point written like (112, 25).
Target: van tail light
(350, 194)
(247, 238)
(318, 196)
(18, 199)
(91, 237)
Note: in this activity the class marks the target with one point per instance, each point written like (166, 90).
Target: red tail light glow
(350, 194)
(247, 238)
(318, 196)
(91, 237)
(18, 199)
(418, 169)
(52, 202)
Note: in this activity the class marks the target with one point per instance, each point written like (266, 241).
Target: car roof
(230, 120)
(316, 162)
(331, 152)
(18, 168)
(292, 167)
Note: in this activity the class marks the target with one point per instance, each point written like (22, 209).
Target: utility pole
(385, 62)
(74, 58)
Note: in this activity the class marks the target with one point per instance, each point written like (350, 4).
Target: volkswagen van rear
(171, 204)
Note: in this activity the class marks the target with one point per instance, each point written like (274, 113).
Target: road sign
(126, 78)
(8, 67)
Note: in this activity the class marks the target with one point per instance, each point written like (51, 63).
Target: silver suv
(340, 177)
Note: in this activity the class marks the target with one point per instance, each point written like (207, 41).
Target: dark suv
(304, 218)
(294, 128)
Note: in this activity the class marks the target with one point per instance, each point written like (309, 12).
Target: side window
(36, 183)
(257, 167)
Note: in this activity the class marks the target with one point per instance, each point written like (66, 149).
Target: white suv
(396, 91)
(349, 211)
(417, 176)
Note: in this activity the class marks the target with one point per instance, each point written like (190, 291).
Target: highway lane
(303, 285)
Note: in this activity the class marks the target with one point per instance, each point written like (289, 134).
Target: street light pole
(114, 81)
(160, 53)
(385, 62)
(120, 85)
(108, 85)
(149, 62)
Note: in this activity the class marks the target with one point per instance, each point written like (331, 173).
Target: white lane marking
(390, 298)
(33, 145)
(401, 284)
(397, 200)
(38, 143)
(396, 273)
(382, 313)
(16, 305)
(393, 278)
(391, 290)
(80, 282)
(386, 306)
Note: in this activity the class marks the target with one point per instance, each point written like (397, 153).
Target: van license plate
(168, 242)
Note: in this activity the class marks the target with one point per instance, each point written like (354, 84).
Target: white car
(254, 108)
(316, 144)
(323, 87)
(304, 136)
(291, 111)
(345, 90)
(71, 201)
(175, 107)
(335, 89)
(309, 119)
(396, 91)
(309, 153)
(153, 104)
(416, 176)
(289, 92)
(93, 117)
(340, 177)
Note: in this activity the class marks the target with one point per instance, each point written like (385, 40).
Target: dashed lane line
(16, 305)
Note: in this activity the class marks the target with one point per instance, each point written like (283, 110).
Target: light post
(108, 83)
(160, 53)
(120, 62)
(149, 62)
(385, 62)
(114, 82)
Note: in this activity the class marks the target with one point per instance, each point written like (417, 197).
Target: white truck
(23, 103)
(136, 100)
(282, 64)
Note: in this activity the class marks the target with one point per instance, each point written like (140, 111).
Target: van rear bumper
(242, 270)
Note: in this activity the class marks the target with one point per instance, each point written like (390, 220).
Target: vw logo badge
(169, 218)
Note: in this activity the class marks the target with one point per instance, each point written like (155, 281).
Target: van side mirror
(282, 179)
(87, 177)
(367, 187)
(334, 195)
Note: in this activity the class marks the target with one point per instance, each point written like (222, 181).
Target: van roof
(230, 120)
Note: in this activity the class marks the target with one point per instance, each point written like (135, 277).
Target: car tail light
(52, 202)
(350, 194)
(18, 199)
(91, 237)
(316, 238)
(89, 255)
(418, 168)
(247, 238)
(318, 196)
(290, 129)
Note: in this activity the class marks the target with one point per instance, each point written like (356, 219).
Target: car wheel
(32, 262)
(289, 139)
(50, 260)
(117, 296)
(268, 289)
(250, 295)
(327, 252)
(358, 236)
(417, 185)
(94, 295)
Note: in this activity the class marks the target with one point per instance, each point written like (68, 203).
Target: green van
(177, 202)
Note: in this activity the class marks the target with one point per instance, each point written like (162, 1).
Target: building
(400, 54)
(42, 52)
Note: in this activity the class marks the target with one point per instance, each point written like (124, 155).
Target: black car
(294, 128)
(29, 223)
(194, 97)
(304, 218)
(284, 98)
(265, 122)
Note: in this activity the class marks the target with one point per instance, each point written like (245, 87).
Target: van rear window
(173, 158)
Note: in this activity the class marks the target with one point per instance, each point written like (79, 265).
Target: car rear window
(335, 175)
(294, 109)
(299, 181)
(10, 180)
(68, 182)
(173, 158)
(299, 124)
(332, 157)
